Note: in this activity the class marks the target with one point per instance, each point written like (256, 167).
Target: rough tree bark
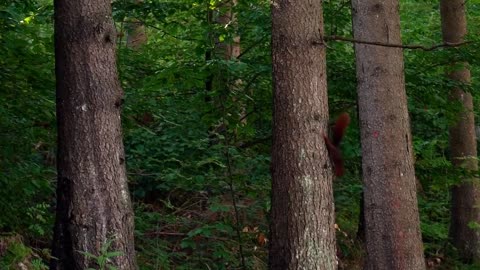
(463, 144)
(302, 214)
(392, 227)
(93, 203)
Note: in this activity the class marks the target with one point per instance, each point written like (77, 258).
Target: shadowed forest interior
(239, 134)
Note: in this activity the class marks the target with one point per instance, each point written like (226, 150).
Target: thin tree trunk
(392, 226)
(136, 34)
(209, 55)
(220, 81)
(93, 202)
(302, 214)
(230, 51)
(463, 144)
(227, 17)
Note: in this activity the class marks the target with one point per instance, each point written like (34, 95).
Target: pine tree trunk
(463, 144)
(302, 214)
(392, 228)
(93, 203)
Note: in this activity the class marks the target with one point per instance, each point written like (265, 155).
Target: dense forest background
(190, 151)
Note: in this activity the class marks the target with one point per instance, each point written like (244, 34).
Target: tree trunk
(93, 203)
(302, 214)
(226, 17)
(136, 34)
(220, 81)
(463, 146)
(392, 228)
(225, 50)
(231, 51)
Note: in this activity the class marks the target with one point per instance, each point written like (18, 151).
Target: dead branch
(383, 44)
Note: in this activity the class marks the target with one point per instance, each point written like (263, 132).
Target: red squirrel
(333, 146)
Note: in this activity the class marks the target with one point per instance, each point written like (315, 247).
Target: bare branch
(411, 47)
(252, 46)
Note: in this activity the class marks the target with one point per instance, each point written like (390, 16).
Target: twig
(246, 115)
(234, 201)
(252, 46)
(383, 44)
(255, 142)
(183, 235)
(232, 189)
(165, 32)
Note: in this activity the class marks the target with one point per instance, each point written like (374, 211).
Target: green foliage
(26, 116)
(177, 161)
(102, 259)
(38, 264)
(191, 149)
(16, 253)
